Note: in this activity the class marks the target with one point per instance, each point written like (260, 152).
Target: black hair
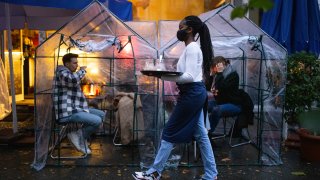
(67, 57)
(205, 43)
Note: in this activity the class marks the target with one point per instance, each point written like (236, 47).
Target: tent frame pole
(13, 92)
(2, 46)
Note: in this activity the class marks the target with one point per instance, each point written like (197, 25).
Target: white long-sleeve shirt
(190, 63)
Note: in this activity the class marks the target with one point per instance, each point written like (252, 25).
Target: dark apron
(185, 116)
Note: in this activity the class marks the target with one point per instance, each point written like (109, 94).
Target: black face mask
(182, 34)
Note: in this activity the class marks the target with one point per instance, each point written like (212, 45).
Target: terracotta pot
(309, 146)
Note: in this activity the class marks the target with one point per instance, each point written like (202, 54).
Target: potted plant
(302, 90)
(310, 135)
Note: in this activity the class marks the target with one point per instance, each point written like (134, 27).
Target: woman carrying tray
(187, 118)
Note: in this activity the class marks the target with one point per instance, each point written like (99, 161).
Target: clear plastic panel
(5, 106)
(83, 20)
(43, 123)
(99, 70)
(146, 29)
(152, 129)
(173, 51)
(48, 47)
(269, 44)
(219, 27)
(167, 31)
(44, 74)
(243, 25)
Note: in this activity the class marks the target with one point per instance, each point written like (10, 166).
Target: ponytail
(205, 44)
(207, 52)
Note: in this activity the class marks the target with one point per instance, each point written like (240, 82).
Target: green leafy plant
(303, 82)
(240, 11)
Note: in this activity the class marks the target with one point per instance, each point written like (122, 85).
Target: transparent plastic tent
(5, 106)
(261, 64)
(114, 55)
(116, 52)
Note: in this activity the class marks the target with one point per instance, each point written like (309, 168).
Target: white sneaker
(145, 176)
(74, 138)
(87, 147)
(84, 147)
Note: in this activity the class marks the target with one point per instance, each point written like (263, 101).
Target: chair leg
(102, 127)
(195, 158)
(115, 137)
(224, 119)
(248, 141)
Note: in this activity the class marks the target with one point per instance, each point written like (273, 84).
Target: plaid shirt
(67, 95)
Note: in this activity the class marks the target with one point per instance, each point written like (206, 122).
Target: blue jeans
(217, 110)
(201, 136)
(91, 120)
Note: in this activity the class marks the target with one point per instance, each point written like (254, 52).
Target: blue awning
(295, 24)
(66, 4)
(121, 8)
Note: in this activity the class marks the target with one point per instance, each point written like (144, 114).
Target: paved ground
(15, 164)
(235, 163)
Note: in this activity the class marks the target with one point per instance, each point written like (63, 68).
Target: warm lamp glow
(127, 49)
(74, 51)
(14, 53)
(93, 69)
(77, 51)
(91, 90)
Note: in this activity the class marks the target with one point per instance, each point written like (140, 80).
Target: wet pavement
(113, 162)
(118, 162)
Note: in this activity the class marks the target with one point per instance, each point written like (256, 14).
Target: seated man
(225, 97)
(70, 103)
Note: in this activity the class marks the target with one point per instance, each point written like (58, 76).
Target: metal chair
(225, 134)
(247, 141)
(116, 135)
(59, 131)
